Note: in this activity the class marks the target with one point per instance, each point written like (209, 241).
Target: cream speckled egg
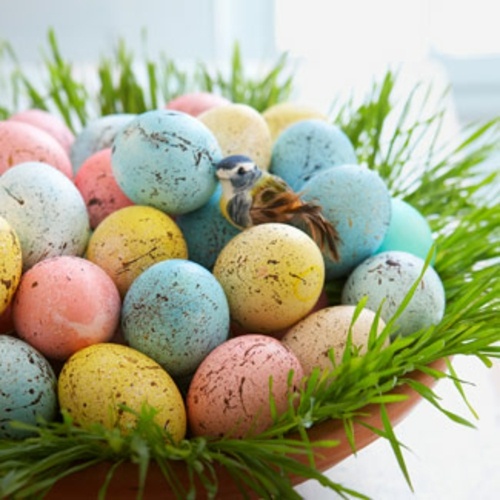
(97, 381)
(312, 338)
(11, 263)
(272, 274)
(240, 129)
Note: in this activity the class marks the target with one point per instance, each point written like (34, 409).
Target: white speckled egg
(229, 394)
(312, 338)
(175, 312)
(98, 381)
(28, 387)
(307, 148)
(166, 159)
(242, 130)
(46, 210)
(386, 279)
(357, 202)
(273, 275)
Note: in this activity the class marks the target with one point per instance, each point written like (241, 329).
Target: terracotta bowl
(124, 485)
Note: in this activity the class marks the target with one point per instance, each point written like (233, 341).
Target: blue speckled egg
(175, 312)
(97, 135)
(408, 231)
(387, 277)
(166, 159)
(28, 388)
(46, 210)
(357, 202)
(308, 147)
(206, 231)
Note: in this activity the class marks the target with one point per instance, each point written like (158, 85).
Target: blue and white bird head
(238, 172)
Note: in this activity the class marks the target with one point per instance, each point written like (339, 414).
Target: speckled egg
(357, 202)
(97, 382)
(50, 123)
(166, 159)
(272, 274)
(229, 394)
(321, 337)
(64, 304)
(28, 387)
(408, 231)
(21, 142)
(195, 103)
(176, 312)
(282, 115)
(307, 148)
(206, 231)
(98, 187)
(132, 239)
(386, 278)
(96, 135)
(11, 263)
(46, 210)
(240, 129)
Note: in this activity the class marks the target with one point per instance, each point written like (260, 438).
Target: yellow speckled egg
(272, 275)
(281, 115)
(131, 239)
(97, 381)
(325, 332)
(240, 129)
(10, 263)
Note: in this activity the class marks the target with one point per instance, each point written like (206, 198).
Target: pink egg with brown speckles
(230, 392)
(65, 303)
(22, 142)
(195, 103)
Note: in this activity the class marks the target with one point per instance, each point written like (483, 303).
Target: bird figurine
(252, 196)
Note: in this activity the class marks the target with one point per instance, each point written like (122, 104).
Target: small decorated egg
(132, 239)
(386, 278)
(357, 202)
(21, 142)
(230, 392)
(307, 148)
(408, 231)
(11, 264)
(98, 382)
(28, 387)
(319, 340)
(206, 231)
(64, 304)
(175, 312)
(166, 159)
(272, 275)
(98, 187)
(46, 211)
(282, 115)
(195, 103)
(96, 135)
(240, 130)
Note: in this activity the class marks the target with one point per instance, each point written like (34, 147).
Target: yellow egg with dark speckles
(10, 263)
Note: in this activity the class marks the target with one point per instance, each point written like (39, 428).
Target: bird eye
(241, 171)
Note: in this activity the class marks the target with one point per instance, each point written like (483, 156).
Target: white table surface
(446, 461)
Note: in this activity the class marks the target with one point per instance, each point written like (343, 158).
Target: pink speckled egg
(65, 303)
(50, 123)
(22, 142)
(195, 103)
(229, 394)
(99, 189)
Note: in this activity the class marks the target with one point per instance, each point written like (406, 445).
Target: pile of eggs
(122, 285)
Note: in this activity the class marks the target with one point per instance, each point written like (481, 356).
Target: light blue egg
(308, 147)
(408, 231)
(357, 202)
(28, 387)
(386, 278)
(46, 210)
(175, 312)
(206, 231)
(166, 159)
